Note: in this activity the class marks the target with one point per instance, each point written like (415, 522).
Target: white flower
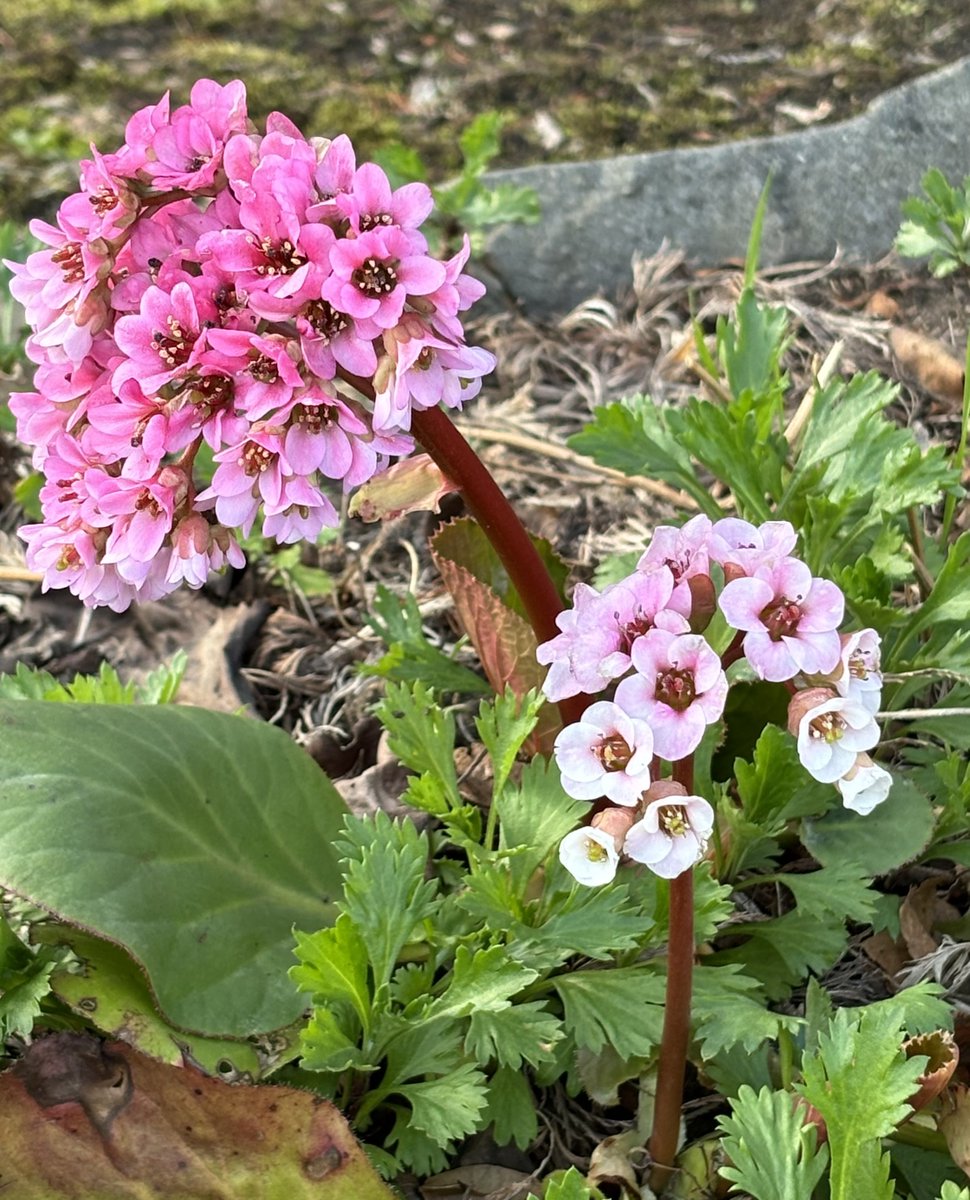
(831, 734)
(861, 678)
(864, 786)
(606, 753)
(589, 855)
(671, 835)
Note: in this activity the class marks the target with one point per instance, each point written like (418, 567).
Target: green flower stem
(665, 1135)
(487, 504)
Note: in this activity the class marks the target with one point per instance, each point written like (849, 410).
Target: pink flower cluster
(646, 633)
(213, 285)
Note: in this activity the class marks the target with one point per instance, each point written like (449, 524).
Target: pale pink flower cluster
(210, 284)
(641, 641)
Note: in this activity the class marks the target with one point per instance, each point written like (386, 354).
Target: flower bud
(662, 789)
(703, 602)
(803, 702)
(616, 822)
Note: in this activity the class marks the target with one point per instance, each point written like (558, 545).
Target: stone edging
(836, 186)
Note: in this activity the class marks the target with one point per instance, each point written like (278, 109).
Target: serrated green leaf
(772, 1151)
(503, 725)
(481, 981)
(333, 967)
(622, 1007)
(594, 922)
(448, 1107)
(568, 1185)
(780, 952)
(194, 839)
(750, 343)
(729, 1010)
(860, 1081)
(768, 785)
(386, 893)
(722, 441)
(518, 1034)
(636, 437)
(511, 1108)
(410, 656)
(421, 733)
(840, 891)
(534, 817)
(21, 993)
(330, 1043)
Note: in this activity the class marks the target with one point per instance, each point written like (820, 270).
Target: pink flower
(672, 835)
(186, 151)
(831, 732)
(864, 785)
(163, 340)
(319, 433)
(741, 547)
(370, 203)
(261, 365)
(679, 689)
(685, 552)
(427, 371)
(599, 630)
(606, 753)
(374, 274)
(790, 617)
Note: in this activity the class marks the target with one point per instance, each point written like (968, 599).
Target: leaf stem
(665, 1136)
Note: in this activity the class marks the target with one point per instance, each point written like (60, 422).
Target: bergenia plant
(637, 749)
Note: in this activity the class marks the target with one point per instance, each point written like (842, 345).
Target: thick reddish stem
(669, 1098)
(487, 504)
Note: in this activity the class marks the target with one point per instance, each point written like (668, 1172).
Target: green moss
(367, 115)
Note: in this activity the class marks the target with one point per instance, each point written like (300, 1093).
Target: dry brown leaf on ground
(929, 362)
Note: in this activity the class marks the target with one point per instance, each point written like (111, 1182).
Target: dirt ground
(576, 79)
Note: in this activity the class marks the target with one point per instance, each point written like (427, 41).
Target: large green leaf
(194, 839)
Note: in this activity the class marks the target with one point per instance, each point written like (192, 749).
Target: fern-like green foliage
(860, 1082)
(771, 1146)
(160, 687)
(937, 226)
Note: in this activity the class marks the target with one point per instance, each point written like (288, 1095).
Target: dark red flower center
(614, 753)
(781, 618)
(376, 278)
(676, 689)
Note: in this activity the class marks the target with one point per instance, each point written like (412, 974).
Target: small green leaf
(520, 1033)
(622, 1007)
(771, 1148)
(410, 656)
(481, 981)
(450, 1106)
(333, 967)
(860, 1081)
(503, 726)
(512, 1108)
(639, 437)
(385, 891)
(422, 734)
